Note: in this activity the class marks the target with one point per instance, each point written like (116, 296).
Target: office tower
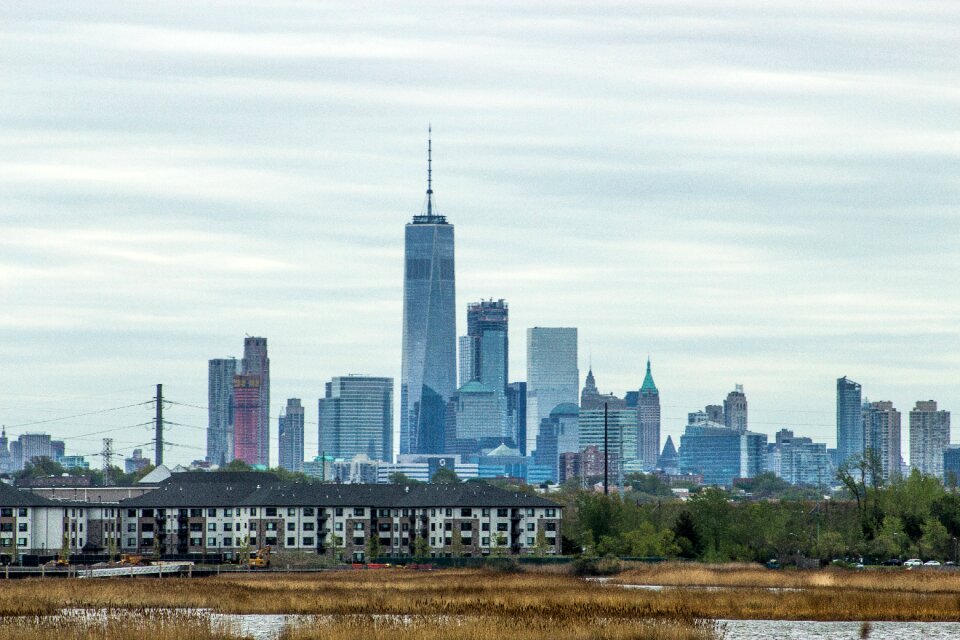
(220, 374)
(849, 420)
(6, 460)
(881, 429)
(256, 363)
(32, 446)
(591, 398)
(621, 427)
(799, 461)
(486, 343)
(291, 436)
(356, 418)
(246, 418)
(735, 410)
(714, 413)
(478, 420)
(517, 414)
(466, 370)
(428, 375)
(669, 460)
(722, 454)
(552, 374)
(929, 436)
(559, 434)
(16, 455)
(951, 466)
(648, 408)
(58, 450)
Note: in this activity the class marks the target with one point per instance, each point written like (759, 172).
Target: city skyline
(735, 214)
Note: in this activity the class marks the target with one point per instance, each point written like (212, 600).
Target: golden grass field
(474, 604)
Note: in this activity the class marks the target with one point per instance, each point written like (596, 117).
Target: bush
(503, 565)
(606, 566)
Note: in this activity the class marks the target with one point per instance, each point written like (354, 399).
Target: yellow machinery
(261, 560)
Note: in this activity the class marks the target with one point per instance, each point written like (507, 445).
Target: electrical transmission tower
(107, 454)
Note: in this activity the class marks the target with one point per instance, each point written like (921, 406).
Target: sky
(758, 192)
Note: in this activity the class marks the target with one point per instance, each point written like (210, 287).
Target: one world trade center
(428, 375)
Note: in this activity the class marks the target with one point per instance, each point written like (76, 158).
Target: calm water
(267, 627)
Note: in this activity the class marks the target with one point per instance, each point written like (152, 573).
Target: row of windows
(8, 526)
(7, 512)
(359, 512)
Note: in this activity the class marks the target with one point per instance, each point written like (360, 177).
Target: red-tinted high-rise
(246, 418)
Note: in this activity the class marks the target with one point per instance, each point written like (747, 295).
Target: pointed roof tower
(428, 216)
(648, 385)
(669, 451)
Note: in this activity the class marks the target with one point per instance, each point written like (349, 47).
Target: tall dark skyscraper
(291, 436)
(256, 363)
(849, 419)
(487, 325)
(220, 374)
(428, 377)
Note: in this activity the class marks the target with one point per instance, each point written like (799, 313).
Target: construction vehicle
(261, 560)
(134, 560)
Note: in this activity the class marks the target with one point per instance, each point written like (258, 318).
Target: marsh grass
(114, 625)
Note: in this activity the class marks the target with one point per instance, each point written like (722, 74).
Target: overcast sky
(762, 193)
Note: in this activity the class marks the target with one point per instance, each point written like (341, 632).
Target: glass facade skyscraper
(552, 375)
(220, 374)
(648, 408)
(256, 363)
(849, 419)
(356, 417)
(291, 436)
(428, 377)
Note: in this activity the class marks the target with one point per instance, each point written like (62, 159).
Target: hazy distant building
(135, 462)
(291, 426)
(850, 437)
(486, 348)
(428, 377)
(621, 434)
(591, 398)
(256, 363)
(648, 409)
(669, 460)
(799, 461)
(58, 449)
(356, 417)
(559, 434)
(722, 454)
(6, 461)
(34, 446)
(714, 413)
(246, 418)
(951, 466)
(735, 410)
(478, 419)
(929, 437)
(552, 374)
(881, 428)
(220, 374)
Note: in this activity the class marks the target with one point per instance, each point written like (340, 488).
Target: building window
(501, 526)
(228, 526)
(131, 542)
(194, 526)
(308, 511)
(485, 512)
(253, 511)
(131, 513)
(308, 542)
(211, 526)
(21, 542)
(551, 526)
(131, 527)
(22, 512)
(551, 513)
(358, 512)
(211, 542)
(21, 526)
(503, 513)
(271, 512)
(357, 540)
(271, 526)
(291, 542)
(531, 513)
(291, 512)
(530, 541)
(466, 513)
(339, 511)
(338, 526)
(466, 526)
(228, 513)
(228, 542)
(196, 513)
(531, 526)
(358, 526)
(291, 526)
(485, 542)
(211, 513)
(194, 542)
(308, 526)
(485, 526)
(449, 512)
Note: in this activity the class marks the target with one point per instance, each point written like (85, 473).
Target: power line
(80, 415)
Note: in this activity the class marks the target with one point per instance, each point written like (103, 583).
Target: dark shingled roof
(11, 497)
(277, 494)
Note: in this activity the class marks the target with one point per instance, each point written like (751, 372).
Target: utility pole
(606, 453)
(158, 438)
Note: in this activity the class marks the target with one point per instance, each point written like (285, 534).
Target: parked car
(893, 562)
(931, 563)
(913, 562)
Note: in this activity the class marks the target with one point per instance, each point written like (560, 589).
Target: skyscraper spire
(429, 170)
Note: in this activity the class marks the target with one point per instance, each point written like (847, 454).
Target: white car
(913, 562)
(931, 563)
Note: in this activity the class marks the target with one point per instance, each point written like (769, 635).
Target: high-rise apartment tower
(256, 363)
(291, 436)
(220, 374)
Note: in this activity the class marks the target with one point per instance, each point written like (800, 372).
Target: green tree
(712, 512)
(337, 548)
(236, 465)
(443, 475)
(456, 543)
(499, 544)
(542, 546)
(421, 548)
(398, 477)
(936, 542)
(862, 476)
(831, 545)
(647, 542)
(373, 547)
(41, 468)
